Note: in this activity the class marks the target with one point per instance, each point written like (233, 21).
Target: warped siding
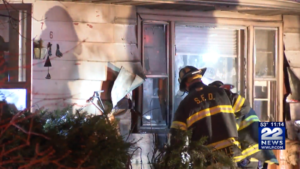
(291, 40)
(90, 36)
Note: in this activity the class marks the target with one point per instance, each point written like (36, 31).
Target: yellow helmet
(187, 72)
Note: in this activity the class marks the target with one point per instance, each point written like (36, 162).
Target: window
(216, 48)
(265, 73)
(155, 63)
(17, 97)
(15, 54)
(245, 58)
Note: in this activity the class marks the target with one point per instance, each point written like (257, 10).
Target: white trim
(265, 28)
(260, 83)
(210, 14)
(269, 101)
(245, 61)
(280, 81)
(155, 22)
(211, 25)
(266, 78)
(287, 5)
(250, 64)
(219, 21)
(157, 76)
(172, 61)
(262, 99)
(239, 62)
(219, 55)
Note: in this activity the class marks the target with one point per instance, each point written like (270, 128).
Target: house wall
(94, 38)
(292, 53)
(291, 38)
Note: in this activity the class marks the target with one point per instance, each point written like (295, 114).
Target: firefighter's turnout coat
(247, 125)
(226, 119)
(209, 112)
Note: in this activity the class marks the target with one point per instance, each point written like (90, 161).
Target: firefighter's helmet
(216, 84)
(220, 84)
(189, 72)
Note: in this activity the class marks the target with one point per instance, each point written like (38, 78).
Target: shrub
(60, 139)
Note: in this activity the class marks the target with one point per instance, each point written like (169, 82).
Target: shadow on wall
(120, 50)
(62, 68)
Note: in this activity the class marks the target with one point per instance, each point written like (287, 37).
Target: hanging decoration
(58, 53)
(49, 49)
(37, 49)
(48, 62)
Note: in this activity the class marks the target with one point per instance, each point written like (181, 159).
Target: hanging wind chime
(58, 53)
(48, 62)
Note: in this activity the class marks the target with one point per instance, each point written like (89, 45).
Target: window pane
(16, 97)
(260, 89)
(265, 53)
(261, 109)
(214, 48)
(155, 101)
(155, 56)
(13, 46)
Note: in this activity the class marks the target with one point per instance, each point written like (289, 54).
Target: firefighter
(248, 136)
(208, 112)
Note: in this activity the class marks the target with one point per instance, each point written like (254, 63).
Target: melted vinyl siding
(292, 50)
(291, 41)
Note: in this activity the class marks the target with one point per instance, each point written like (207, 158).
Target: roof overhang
(261, 7)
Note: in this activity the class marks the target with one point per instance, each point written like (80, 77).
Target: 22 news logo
(271, 135)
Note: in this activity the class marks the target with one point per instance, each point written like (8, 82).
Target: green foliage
(196, 155)
(61, 139)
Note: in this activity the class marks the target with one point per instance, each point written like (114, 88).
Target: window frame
(27, 84)
(268, 80)
(140, 89)
(220, 18)
(167, 47)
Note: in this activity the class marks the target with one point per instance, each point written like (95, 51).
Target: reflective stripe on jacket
(247, 125)
(208, 111)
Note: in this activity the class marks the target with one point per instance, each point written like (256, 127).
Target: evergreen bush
(196, 155)
(60, 140)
